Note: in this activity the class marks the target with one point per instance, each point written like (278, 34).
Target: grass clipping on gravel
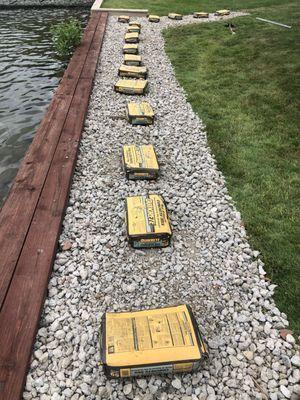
(244, 88)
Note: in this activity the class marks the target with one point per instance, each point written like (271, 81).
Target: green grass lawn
(245, 87)
(189, 6)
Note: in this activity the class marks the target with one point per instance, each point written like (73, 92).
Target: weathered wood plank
(76, 63)
(20, 313)
(94, 51)
(17, 212)
(18, 209)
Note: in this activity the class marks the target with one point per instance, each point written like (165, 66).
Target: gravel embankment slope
(209, 265)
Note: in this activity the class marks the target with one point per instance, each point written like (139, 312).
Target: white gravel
(209, 265)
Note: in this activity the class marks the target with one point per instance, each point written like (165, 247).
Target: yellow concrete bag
(134, 23)
(153, 18)
(123, 18)
(159, 341)
(132, 37)
(175, 16)
(130, 48)
(222, 12)
(200, 15)
(134, 28)
(147, 222)
(140, 162)
(132, 59)
(129, 71)
(140, 113)
(131, 86)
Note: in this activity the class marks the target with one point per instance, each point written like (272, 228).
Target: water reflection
(29, 73)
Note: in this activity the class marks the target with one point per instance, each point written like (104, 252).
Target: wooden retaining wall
(31, 217)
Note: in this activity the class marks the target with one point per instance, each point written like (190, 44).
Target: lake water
(29, 73)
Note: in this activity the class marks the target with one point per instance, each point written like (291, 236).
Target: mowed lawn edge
(188, 7)
(244, 88)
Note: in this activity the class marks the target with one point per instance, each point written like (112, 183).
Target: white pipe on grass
(273, 22)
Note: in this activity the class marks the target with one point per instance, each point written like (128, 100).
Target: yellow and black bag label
(153, 18)
(132, 59)
(147, 221)
(129, 71)
(222, 12)
(131, 86)
(132, 37)
(130, 48)
(134, 23)
(140, 113)
(150, 243)
(159, 369)
(134, 28)
(175, 16)
(140, 162)
(147, 215)
(165, 340)
(200, 15)
(123, 18)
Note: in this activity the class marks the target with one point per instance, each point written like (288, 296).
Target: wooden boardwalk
(31, 217)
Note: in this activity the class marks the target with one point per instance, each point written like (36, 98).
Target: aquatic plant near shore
(66, 36)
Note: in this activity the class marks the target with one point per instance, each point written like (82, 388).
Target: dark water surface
(29, 73)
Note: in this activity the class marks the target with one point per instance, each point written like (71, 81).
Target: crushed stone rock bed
(209, 264)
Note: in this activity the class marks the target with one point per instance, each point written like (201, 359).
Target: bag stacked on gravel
(132, 37)
(131, 86)
(134, 23)
(153, 18)
(140, 113)
(222, 12)
(123, 18)
(160, 341)
(129, 71)
(147, 221)
(200, 15)
(132, 59)
(140, 162)
(130, 48)
(175, 16)
(134, 28)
